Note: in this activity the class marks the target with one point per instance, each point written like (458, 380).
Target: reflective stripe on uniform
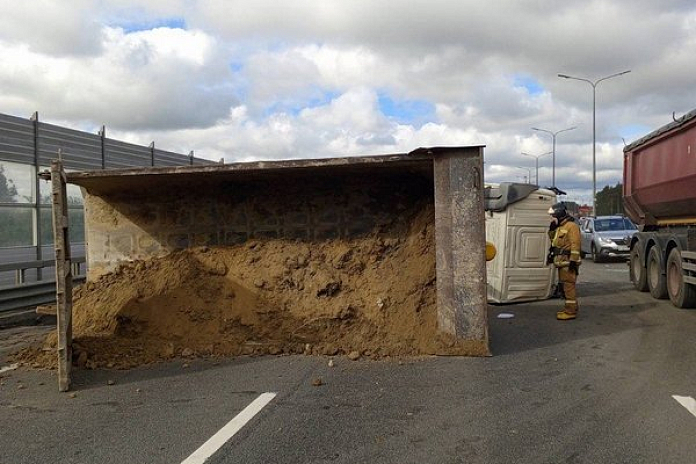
(574, 252)
(571, 301)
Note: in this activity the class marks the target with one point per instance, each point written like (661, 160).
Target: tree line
(609, 200)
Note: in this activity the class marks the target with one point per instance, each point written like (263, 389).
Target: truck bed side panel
(660, 176)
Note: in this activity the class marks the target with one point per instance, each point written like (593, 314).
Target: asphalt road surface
(614, 386)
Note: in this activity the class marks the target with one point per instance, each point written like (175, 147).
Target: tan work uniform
(566, 242)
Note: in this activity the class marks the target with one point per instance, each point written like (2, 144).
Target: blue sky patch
(414, 112)
(633, 132)
(532, 85)
(136, 26)
(294, 107)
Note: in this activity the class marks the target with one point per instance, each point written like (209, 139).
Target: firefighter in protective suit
(565, 256)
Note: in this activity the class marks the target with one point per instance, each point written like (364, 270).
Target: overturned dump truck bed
(383, 255)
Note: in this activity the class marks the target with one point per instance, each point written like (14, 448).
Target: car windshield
(613, 224)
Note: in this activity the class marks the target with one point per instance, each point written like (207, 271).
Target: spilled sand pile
(373, 295)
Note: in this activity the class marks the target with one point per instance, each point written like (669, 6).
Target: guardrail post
(102, 136)
(37, 200)
(19, 276)
(63, 273)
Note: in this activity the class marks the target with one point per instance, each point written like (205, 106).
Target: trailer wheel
(681, 294)
(637, 271)
(657, 283)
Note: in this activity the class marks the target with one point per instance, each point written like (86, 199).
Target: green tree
(8, 191)
(610, 200)
(15, 223)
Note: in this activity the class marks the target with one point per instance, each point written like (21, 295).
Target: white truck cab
(517, 223)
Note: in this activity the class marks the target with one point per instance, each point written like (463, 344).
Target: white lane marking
(11, 367)
(688, 402)
(215, 442)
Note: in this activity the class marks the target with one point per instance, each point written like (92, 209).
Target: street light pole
(529, 173)
(553, 137)
(594, 127)
(536, 157)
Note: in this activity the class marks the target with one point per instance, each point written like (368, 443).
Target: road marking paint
(11, 367)
(688, 402)
(215, 442)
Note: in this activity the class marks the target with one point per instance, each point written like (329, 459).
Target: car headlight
(605, 241)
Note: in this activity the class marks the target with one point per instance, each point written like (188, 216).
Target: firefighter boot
(565, 316)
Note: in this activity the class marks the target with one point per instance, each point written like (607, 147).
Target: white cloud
(262, 79)
(51, 27)
(150, 79)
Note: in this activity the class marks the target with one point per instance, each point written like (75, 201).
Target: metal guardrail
(22, 267)
(23, 294)
(28, 295)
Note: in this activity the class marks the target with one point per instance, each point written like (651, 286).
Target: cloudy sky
(271, 79)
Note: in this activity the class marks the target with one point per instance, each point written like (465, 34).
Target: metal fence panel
(123, 155)
(12, 254)
(201, 162)
(80, 150)
(168, 158)
(16, 139)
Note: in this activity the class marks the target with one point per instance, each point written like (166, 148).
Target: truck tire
(657, 283)
(681, 294)
(637, 271)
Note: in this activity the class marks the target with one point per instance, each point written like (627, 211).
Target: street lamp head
(536, 156)
(595, 82)
(553, 138)
(553, 134)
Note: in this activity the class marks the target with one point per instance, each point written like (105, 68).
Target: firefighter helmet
(558, 210)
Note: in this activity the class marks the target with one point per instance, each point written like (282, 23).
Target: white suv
(607, 237)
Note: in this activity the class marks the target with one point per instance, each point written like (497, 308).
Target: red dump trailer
(660, 196)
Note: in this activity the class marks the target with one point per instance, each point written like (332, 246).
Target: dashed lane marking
(215, 442)
(688, 402)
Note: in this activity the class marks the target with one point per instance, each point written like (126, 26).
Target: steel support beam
(460, 247)
(63, 273)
